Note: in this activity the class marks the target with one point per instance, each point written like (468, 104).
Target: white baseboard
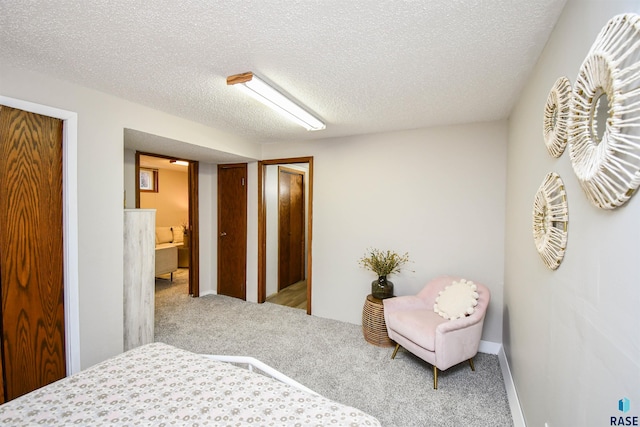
(512, 395)
(489, 347)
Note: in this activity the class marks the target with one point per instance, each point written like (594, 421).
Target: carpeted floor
(332, 358)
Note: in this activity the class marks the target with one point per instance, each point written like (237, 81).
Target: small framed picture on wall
(149, 180)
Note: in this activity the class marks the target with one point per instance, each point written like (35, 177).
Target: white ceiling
(363, 66)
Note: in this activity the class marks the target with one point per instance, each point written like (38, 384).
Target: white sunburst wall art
(556, 117)
(604, 127)
(550, 220)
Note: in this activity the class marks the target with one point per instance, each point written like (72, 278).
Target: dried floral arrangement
(383, 263)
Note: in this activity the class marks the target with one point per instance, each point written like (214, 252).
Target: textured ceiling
(363, 66)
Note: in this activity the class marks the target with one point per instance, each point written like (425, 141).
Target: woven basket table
(373, 326)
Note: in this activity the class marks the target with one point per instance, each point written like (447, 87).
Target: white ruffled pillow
(457, 300)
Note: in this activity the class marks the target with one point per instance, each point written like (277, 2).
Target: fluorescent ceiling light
(258, 89)
(179, 162)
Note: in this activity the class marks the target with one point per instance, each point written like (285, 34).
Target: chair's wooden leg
(393, 356)
(473, 368)
(172, 277)
(435, 377)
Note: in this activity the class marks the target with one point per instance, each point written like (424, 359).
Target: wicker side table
(373, 326)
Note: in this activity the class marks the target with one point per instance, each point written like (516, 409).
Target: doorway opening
(285, 198)
(170, 186)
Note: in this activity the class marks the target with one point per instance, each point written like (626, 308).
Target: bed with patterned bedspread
(158, 385)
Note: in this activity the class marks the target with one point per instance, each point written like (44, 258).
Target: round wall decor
(604, 130)
(550, 220)
(556, 117)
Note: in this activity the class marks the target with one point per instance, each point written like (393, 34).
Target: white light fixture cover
(179, 162)
(250, 84)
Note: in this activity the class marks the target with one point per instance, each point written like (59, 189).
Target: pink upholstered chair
(413, 324)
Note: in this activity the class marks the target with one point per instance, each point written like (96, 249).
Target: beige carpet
(333, 359)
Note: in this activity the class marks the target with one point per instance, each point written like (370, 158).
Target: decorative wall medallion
(550, 220)
(604, 130)
(556, 117)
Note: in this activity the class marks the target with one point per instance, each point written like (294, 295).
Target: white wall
(208, 210)
(129, 179)
(570, 335)
(271, 209)
(252, 232)
(101, 123)
(437, 193)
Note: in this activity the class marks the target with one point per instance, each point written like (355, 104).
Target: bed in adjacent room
(158, 384)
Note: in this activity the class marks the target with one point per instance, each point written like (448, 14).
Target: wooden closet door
(31, 251)
(291, 225)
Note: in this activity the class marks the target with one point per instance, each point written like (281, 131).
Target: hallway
(292, 296)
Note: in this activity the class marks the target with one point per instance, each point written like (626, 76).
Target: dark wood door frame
(194, 230)
(262, 225)
(194, 239)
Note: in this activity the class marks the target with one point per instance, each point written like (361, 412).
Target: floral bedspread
(160, 385)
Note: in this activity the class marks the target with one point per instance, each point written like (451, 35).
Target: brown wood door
(232, 230)
(291, 241)
(31, 251)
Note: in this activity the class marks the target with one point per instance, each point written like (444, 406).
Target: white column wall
(208, 231)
